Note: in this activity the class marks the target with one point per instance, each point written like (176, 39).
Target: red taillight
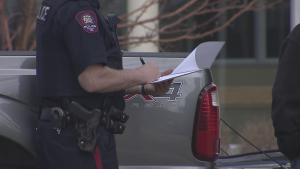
(206, 132)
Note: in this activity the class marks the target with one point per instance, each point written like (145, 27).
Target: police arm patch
(88, 21)
(43, 13)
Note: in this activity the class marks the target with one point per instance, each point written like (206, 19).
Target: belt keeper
(143, 90)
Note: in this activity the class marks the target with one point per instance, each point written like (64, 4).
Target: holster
(111, 117)
(88, 127)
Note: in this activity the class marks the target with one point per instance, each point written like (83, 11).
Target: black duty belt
(111, 117)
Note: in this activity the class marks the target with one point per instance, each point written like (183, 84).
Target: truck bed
(158, 132)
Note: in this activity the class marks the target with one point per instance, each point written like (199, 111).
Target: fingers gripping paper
(200, 58)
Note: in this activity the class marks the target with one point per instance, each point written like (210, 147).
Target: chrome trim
(17, 72)
(161, 167)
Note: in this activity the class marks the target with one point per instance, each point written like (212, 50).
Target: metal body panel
(18, 100)
(18, 123)
(158, 133)
(17, 79)
(254, 161)
(159, 130)
(161, 167)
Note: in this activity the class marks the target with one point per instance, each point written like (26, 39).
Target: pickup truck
(180, 129)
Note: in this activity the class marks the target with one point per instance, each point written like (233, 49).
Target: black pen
(142, 60)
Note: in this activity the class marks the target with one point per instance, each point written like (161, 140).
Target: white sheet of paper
(200, 58)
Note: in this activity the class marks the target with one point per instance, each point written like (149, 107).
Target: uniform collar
(96, 3)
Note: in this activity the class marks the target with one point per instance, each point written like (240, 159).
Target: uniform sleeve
(286, 98)
(83, 40)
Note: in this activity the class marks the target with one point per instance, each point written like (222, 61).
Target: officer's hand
(158, 89)
(149, 72)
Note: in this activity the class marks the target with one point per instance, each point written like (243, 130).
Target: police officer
(79, 60)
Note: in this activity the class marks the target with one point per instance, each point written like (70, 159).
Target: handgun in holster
(88, 127)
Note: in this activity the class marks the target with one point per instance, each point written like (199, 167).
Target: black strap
(103, 22)
(40, 109)
(46, 114)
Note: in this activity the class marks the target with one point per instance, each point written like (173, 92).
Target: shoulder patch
(88, 21)
(43, 13)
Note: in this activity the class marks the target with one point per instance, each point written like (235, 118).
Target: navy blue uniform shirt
(75, 40)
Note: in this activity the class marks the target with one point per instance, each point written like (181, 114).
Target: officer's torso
(56, 76)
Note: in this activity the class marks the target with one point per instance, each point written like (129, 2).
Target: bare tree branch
(14, 15)
(29, 5)
(179, 27)
(181, 9)
(16, 33)
(122, 17)
(201, 35)
(115, 6)
(174, 25)
(185, 17)
(33, 45)
(5, 27)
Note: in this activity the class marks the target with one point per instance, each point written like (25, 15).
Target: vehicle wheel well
(14, 155)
